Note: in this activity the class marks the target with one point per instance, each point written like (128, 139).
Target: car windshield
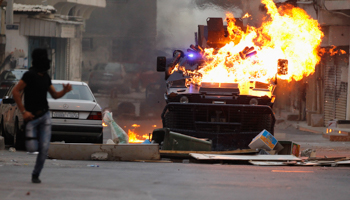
(79, 92)
(113, 67)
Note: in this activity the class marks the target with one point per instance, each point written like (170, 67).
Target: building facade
(56, 25)
(125, 31)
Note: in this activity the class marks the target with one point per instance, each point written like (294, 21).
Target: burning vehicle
(222, 89)
(229, 114)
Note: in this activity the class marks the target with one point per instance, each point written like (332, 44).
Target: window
(87, 43)
(79, 92)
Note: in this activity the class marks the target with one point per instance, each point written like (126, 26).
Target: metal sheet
(335, 90)
(120, 152)
(37, 27)
(344, 162)
(244, 157)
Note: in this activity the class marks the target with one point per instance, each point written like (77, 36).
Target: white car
(76, 117)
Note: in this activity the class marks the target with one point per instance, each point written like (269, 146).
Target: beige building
(56, 25)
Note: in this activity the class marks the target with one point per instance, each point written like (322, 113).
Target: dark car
(107, 77)
(8, 78)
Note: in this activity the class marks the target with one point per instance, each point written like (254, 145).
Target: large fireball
(287, 33)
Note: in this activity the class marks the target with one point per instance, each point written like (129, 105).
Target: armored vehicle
(229, 114)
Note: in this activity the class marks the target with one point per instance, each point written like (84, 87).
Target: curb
(310, 130)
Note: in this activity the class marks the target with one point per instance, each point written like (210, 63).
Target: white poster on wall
(67, 31)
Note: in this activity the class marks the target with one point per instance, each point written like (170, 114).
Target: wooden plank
(119, 152)
(244, 157)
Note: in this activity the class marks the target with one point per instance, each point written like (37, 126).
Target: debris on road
(245, 157)
(273, 160)
(186, 154)
(267, 163)
(290, 148)
(308, 153)
(264, 140)
(12, 149)
(118, 134)
(92, 166)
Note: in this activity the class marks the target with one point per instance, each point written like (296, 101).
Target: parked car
(107, 76)
(9, 110)
(76, 117)
(9, 77)
(139, 77)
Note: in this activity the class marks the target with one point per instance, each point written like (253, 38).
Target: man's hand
(67, 87)
(28, 116)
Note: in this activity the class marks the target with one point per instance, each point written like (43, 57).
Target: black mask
(41, 62)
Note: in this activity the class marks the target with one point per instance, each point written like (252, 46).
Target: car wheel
(19, 139)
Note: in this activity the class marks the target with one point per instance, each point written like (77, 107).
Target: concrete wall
(16, 48)
(75, 58)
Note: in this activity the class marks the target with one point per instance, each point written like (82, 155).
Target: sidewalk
(302, 125)
(313, 138)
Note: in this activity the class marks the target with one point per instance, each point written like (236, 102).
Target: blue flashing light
(190, 55)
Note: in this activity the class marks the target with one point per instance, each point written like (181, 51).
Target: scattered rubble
(11, 149)
(265, 151)
(117, 133)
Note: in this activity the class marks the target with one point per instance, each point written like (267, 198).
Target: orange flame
(333, 51)
(134, 137)
(247, 15)
(289, 34)
(135, 125)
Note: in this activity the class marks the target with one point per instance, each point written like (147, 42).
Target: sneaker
(35, 179)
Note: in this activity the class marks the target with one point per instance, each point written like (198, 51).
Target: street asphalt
(67, 179)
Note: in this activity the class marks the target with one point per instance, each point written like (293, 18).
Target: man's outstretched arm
(57, 95)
